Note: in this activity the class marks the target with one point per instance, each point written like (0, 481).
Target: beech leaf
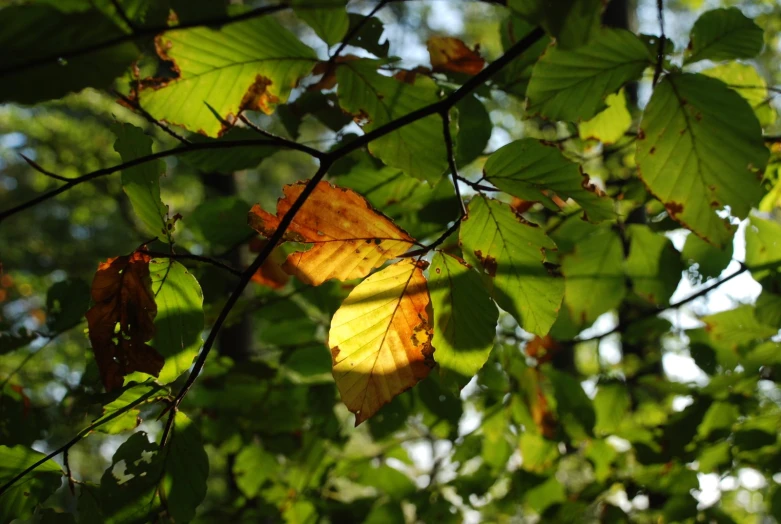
(350, 238)
(451, 54)
(122, 292)
(380, 338)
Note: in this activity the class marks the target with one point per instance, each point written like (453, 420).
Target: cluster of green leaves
(550, 261)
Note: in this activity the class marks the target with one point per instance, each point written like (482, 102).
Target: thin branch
(662, 42)
(290, 144)
(451, 159)
(199, 258)
(694, 296)
(245, 279)
(476, 185)
(123, 15)
(141, 32)
(38, 168)
(357, 29)
(80, 435)
(149, 118)
(183, 149)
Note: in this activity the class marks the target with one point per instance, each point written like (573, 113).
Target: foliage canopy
(385, 261)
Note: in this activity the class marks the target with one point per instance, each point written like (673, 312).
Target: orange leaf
(122, 292)
(451, 54)
(350, 238)
(380, 338)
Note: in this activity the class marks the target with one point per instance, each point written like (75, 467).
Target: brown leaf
(350, 238)
(270, 274)
(122, 292)
(451, 54)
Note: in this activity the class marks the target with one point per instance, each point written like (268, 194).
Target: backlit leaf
(697, 137)
(653, 265)
(129, 419)
(257, 65)
(142, 183)
(763, 246)
(573, 84)
(510, 252)
(532, 171)
(418, 149)
(710, 260)
(464, 318)
(594, 281)
(326, 17)
(34, 32)
(380, 338)
(350, 238)
(748, 83)
(179, 320)
(450, 54)
(723, 34)
(34, 488)
(610, 125)
(122, 293)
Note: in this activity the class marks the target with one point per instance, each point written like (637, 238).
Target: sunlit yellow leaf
(380, 338)
(350, 238)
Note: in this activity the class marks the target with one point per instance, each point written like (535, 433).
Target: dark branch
(149, 118)
(38, 168)
(451, 159)
(357, 29)
(198, 258)
(187, 148)
(123, 15)
(80, 435)
(662, 42)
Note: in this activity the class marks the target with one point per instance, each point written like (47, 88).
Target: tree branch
(80, 435)
(199, 258)
(357, 29)
(451, 159)
(183, 149)
(662, 42)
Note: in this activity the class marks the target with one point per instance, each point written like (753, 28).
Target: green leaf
(129, 419)
(572, 85)
(141, 183)
(737, 327)
(514, 78)
(653, 264)
(418, 149)
(612, 404)
(572, 22)
(573, 406)
(388, 481)
(385, 512)
(194, 11)
(528, 169)
(464, 318)
(610, 125)
(221, 222)
(710, 260)
(33, 33)
(179, 321)
(769, 308)
(474, 119)
(32, 489)
(329, 22)
(594, 281)
(309, 365)
(700, 149)
(510, 252)
(252, 467)
(537, 452)
(66, 303)
(763, 247)
(186, 470)
(369, 36)
(723, 34)
(748, 83)
(258, 63)
(228, 160)
(720, 416)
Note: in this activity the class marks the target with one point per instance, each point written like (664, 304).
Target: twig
(290, 144)
(149, 118)
(68, 472)
(80, 435)
(123, 15)
(357, 29)
(451, 159)
(476, 185)
(199, 258)
(704, 291)
(38, 168)
(183, 149)
(662, 42)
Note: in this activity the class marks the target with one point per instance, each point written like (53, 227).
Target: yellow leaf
(451, 54)
(350, 238)
(610, 125)
(380, 338)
